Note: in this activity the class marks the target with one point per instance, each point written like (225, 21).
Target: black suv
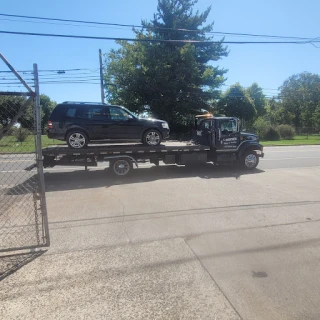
(77, 123)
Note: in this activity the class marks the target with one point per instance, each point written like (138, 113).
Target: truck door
(204, 132)
(228, 138)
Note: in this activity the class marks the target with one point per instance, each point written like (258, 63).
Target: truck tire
(250, 160)
(152, 138)
(77, 139)
(121, 167)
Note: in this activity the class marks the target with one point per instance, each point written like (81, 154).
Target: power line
(66, 78)
(68, 82)
(55, 71)
(153, 27)
(152, 40)
(70, 20)
(63, 24)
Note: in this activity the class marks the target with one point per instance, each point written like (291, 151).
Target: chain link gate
(23, 212)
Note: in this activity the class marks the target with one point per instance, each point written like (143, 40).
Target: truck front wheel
(121, 167)
(250, 160)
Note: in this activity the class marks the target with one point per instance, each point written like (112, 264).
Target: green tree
(276, 113)
(237, 102)
(11, 108)
(300, 96)
(11, 105)
(173, 80)
(259, 99)
(47, 105)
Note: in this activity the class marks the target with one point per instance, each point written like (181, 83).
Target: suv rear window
(71, 113)
(58, 112)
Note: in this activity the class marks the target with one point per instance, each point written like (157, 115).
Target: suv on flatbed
(79, 123)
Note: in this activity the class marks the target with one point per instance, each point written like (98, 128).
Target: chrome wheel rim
(250, 160)
(121, 167)
(77, 140)
(153, 138)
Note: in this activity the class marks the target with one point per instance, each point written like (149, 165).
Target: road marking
(276, 151)
(296, 158)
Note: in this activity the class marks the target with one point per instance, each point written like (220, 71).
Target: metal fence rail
(23, 214)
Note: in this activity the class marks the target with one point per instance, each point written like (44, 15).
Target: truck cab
(227, 143)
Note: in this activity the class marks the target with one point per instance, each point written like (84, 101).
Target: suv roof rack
(80, 102)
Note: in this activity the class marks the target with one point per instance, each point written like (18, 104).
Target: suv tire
(77, 139)
(152, 138)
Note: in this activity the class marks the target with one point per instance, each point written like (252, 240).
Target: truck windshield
(228, 126)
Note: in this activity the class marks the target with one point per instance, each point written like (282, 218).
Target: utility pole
(101, 76)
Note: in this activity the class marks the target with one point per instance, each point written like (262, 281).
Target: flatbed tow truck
(215, 139)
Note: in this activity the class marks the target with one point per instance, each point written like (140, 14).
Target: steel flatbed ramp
(124, 149)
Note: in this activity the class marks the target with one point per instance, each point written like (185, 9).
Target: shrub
(261, 126)
(271, 134)
(21, 134)
(286, 131)
(9, 132)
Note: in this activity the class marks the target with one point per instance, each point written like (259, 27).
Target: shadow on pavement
(13, 262)
(58, 181)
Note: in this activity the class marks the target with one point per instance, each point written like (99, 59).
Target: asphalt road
(178, 243)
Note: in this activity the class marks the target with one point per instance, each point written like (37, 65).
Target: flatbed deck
(116, 149)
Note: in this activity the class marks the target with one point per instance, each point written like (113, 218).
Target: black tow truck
(215, 139)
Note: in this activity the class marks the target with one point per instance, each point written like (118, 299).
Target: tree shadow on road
(11, 263)
(58, 181)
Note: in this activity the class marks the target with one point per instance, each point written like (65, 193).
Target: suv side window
(96, 113)
(71, 112)
(118, 114)
(92, 113)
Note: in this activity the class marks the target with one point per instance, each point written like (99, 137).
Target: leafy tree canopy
(237, 102)
(300, 96)
(259, 99)
(10, 106)
(173, 80)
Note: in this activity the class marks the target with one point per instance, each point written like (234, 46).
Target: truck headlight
(165, 125)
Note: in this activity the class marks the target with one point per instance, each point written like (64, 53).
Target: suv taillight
(50, 125)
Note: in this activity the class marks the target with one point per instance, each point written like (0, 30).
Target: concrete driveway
(175, 243)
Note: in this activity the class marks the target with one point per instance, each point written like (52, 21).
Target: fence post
(39, 157)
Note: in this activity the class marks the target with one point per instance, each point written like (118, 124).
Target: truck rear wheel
(250, 160)
(121, 167)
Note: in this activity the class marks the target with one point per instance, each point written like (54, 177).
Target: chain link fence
(23, 215)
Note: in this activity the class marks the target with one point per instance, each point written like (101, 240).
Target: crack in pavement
(123, 215)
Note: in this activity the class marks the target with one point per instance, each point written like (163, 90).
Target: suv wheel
(77, 139)
(152, 138)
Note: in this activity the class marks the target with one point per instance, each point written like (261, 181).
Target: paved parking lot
(178, 243)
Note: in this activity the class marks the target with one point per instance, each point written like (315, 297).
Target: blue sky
(268, 65)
